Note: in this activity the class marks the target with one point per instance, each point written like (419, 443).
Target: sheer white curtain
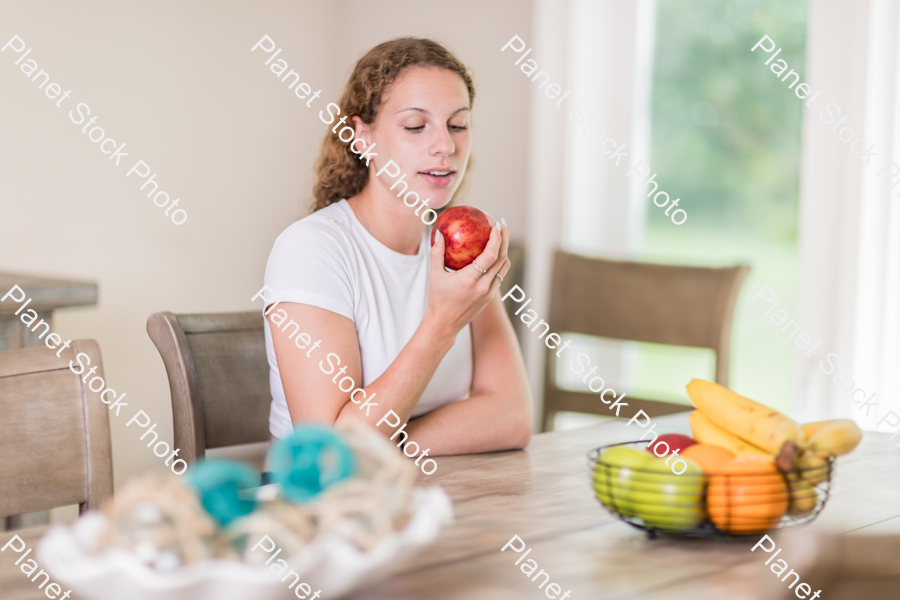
(849, 239)
(610, 71)
(579, 199)
(545, 178)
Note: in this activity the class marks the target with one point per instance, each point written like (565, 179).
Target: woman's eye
(421, 127)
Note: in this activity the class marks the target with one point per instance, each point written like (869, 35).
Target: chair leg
(549, 418)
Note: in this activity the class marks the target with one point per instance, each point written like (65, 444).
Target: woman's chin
(440, 202)
(440, 198)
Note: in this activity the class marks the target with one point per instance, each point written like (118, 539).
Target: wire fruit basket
(711, 504)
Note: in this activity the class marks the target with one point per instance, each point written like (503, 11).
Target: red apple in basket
(466, 231)
(675, 441)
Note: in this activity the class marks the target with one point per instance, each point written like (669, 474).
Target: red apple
(676, 441)
(466, 231)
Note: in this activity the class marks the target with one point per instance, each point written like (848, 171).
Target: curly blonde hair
(340, 173)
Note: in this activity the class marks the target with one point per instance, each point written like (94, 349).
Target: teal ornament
(309, 461)
(224, 488)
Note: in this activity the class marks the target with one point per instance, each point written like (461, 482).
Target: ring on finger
(499, 276)
(477, 268)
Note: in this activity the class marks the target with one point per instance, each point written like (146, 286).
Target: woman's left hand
(454, 299)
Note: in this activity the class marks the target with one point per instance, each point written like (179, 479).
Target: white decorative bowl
(329, 563)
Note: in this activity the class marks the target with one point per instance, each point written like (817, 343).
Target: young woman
(359, 276)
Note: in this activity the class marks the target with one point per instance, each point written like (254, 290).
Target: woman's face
(423, 126)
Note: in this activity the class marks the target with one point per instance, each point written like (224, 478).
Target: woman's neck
(389, 220)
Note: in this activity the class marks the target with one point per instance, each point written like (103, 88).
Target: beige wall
(475, 31)
(177, 82)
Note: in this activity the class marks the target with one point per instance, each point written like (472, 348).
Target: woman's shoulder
(323, 238)
(312, 262)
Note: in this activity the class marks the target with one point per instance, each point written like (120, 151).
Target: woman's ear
(360, 129)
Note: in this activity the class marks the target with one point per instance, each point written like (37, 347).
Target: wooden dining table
(543, 495)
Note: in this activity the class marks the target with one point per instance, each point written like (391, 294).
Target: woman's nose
(443, 143)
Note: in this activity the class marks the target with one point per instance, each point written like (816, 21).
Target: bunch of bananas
(747, 428)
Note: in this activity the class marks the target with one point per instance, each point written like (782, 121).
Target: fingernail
(504, 222)
(498, 226)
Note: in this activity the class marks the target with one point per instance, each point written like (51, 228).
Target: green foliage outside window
(725, 137)
(725, 131)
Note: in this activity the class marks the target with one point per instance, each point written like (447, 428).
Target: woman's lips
(438, 181)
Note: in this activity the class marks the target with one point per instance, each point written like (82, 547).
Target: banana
(707, 432)
(804, 497)
(760, 425)
(812, 469)
(810, 428)
(838, 437)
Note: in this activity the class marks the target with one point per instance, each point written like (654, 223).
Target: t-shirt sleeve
(310, 263)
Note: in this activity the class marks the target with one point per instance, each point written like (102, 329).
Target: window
(678, 80)
(731, 149)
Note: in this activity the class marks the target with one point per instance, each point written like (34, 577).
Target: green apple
(613, 474)
(665, 500)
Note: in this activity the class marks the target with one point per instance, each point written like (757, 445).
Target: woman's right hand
(454, 299)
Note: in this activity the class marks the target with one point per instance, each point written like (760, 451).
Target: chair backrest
(218, 378)
(515, 275)
(55, 447)
(624, 300)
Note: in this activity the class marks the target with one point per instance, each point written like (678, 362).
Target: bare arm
(311, 376)
(311, 383)
(498, 415)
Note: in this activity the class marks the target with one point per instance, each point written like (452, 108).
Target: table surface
(543, 495)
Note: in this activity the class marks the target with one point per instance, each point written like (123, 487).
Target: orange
(747, 495)
(709, 456)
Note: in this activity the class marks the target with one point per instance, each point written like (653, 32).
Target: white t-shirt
(331, 261)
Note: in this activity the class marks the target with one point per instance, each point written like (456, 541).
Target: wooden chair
(663, 304)
(55, 447)
(218, 378)
(513, 277)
